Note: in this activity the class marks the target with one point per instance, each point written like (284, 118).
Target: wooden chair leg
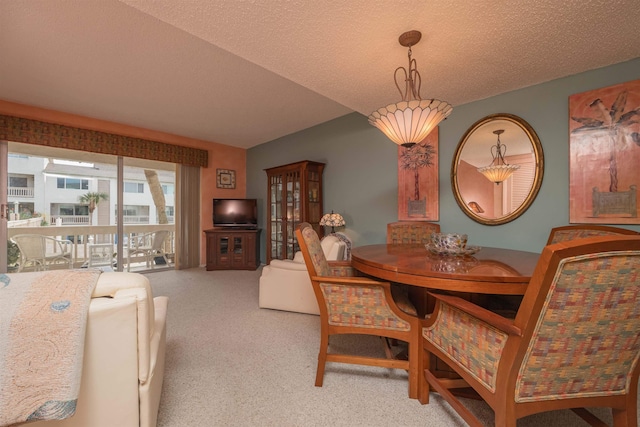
(423, 385)
(386, 343)
(457, 406)
(414, 371)
(625, 417)
(322, 359)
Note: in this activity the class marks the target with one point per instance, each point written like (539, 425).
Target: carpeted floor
(230, 363)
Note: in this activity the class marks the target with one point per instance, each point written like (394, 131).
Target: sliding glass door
(4, 249)
(86, 210)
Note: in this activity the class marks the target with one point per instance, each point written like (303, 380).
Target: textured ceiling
(243, 72)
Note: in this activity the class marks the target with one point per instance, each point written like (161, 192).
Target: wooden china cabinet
(294, 196)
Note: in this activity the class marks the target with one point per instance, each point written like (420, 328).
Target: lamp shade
(409, 122)
(332, 220)
(498, 173)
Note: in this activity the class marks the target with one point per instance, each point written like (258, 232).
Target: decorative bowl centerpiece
(450, 244)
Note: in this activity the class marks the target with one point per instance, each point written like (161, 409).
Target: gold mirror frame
(487, 124)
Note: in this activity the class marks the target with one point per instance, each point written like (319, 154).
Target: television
(235, 213)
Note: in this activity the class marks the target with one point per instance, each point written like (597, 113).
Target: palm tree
(157, 194)
(611, 120)
(92, 199)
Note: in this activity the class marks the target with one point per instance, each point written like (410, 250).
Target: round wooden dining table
(488, 271)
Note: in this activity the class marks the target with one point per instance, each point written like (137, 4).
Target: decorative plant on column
(93, 199)
(418, 180)
(417, 157)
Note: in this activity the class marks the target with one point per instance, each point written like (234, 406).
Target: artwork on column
(604, 155)
(418, 180)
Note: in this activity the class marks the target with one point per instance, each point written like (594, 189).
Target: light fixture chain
(412, 80)
(406, 79)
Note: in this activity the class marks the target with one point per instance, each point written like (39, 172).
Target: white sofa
(285, 284)
(124, 355)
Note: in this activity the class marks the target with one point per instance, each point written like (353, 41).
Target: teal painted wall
(361, 174)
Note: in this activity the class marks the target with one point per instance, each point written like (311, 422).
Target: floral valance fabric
(29, 131)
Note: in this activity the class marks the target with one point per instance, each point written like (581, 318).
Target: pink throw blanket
(43, 318)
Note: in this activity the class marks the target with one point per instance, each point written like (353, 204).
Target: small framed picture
(225, 178)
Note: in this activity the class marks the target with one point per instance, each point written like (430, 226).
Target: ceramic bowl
(453, 242)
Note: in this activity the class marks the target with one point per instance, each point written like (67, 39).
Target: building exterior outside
(51, 189)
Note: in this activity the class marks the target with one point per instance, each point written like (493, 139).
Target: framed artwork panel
(418, 191)
(225, 178)
(604, 155)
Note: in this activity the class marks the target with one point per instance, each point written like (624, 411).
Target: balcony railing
(30, 222)
(85, 235)
(73, 219)
(84, 219)
(136, 219)
(20, 192)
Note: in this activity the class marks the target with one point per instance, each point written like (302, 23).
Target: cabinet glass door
(223, 245)
(237, 245)
(293, 212)
(275, 222)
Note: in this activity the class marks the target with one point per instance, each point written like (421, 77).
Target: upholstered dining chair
(581, 231)
(351, 304)
(403, 232)
(411, 232)
(575, 341)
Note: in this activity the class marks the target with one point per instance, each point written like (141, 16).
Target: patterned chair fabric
(588, 330)
(404, 232)
(352, 304)
(583, 231)
(476, 349)
(364, 307)
(575, 341)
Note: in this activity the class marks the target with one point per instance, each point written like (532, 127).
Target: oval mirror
(497, 169)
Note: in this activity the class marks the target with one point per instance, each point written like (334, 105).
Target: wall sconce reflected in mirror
(498, 170)
(476, 207)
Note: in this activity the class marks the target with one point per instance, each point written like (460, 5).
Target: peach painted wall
(220, 156)
(476, 188)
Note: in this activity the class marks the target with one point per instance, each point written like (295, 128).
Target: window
(18, 181)
(168, 189)
(72, 210)
(73, 183)
(134, 214)
(133, 187)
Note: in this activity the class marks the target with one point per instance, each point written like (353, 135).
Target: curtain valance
(18, 129)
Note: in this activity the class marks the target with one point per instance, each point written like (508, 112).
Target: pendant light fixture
(498, 170)
(409, 121)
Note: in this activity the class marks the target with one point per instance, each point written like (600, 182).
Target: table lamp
(332, 220)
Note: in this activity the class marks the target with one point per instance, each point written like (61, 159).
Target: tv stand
(232, 248)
